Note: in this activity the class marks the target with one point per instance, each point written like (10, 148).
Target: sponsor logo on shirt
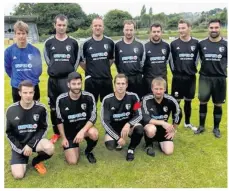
(77, 117)
(121, 116)
(27, 128)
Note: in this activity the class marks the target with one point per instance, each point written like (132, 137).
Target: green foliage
(143, 10)
(81, 33)
(46, 13)
(113, 21)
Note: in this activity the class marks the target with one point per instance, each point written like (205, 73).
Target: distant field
(198, 161)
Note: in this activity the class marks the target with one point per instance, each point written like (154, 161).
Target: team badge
(135, 50)
(165, 108)
(105, 46)
(83, 106)
(68, 48)
(193, 48)
(36, 117)
(128, 106)
(163, 51)
(221, 49)
(30, 56)
(176, 94)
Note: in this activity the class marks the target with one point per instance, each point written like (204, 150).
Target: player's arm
(112, 52)
(176, 113)
(83, 56)
(143, 58)
(8, 62)
(37, 63)
(91, 113)
(77, 55)
(116, 60)
(41, 129)
(14, 142)
(137, 112)
(105, 119)
(171, 63)
(47, 54)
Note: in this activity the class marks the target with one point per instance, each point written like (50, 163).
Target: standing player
(61, 54)
(213, 74)
(23, 61)
(97, 54)
(157, 55)
(76, 115)
(120, 116)
(129, 58)
(26, 126)
(183, 63)
(157, 108)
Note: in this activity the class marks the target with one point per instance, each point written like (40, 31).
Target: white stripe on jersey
(145, 99)
(102, 116)
(81, 48)
(45, 51)
(93, 113)
(78, 53)
(61, 96)
(176, 120)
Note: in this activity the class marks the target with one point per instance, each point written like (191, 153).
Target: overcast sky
(134, 7)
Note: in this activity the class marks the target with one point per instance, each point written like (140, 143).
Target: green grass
(197, 162)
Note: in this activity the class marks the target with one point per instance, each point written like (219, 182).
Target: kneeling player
(156, 111)
(26, 126)
(120, 116)
(76, 115)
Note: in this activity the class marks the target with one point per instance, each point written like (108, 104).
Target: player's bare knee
(93, 134)
(72, 161)
(150, 130)
(48, 147)
(110, 145)
(168, 151)
(18, 175)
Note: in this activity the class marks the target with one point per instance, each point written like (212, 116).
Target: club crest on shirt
(135, 50)
(128, 106)
(163, 51)
(221, 49)
(36, 117)
(30, 56)
(193, 48)
(165, 108)
(68, 48)
(105, 46)
(83, 106)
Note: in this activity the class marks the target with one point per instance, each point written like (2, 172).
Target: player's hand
(65, 143)
(27, 150)
(170, 135)
(125, 130)
(121, 142)
(79, 137)
(168, 127)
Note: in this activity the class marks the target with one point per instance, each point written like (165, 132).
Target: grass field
(198, 161)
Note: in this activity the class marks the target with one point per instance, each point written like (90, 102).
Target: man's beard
(214, 34)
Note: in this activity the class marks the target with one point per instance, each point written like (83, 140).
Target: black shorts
(98, 87)
(16, 97)
(56, 86)
(160, 134)
(135, 85)
(71, 145)
(17, 158)
(183, 87)
(147, 85)
(212, 86)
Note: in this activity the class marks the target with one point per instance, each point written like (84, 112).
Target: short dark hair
(74, 76)
(121, 76)
(156, 25)
(182, 21)
(129, 22)
(62, 17)
(26, 83)
(214, 21)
